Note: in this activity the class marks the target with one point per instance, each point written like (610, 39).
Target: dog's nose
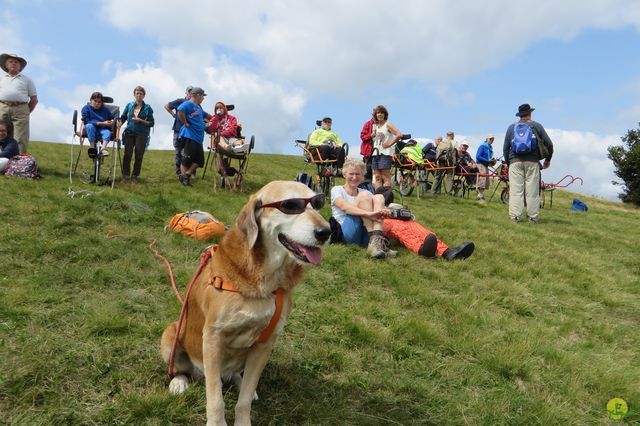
(322, 234)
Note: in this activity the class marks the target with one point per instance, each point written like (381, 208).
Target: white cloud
(327, 45)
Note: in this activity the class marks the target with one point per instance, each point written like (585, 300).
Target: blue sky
(437, 65)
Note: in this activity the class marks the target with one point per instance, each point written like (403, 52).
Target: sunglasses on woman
(297, 205)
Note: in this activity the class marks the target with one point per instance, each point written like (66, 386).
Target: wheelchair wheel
(504, 195)
(406, 182)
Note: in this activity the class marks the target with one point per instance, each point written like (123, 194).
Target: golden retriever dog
(276, 234)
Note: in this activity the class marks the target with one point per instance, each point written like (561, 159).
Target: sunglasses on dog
(297, 205)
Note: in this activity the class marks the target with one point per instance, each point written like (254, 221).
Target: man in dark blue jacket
(8, 145)
(172, 108)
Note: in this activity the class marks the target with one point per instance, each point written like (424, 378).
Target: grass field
(538, 327)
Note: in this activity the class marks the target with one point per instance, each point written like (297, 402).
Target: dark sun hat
(524, 109)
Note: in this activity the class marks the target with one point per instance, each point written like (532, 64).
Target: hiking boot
(515, 219)
(534, 220)
(480, 197)
(104, 153)
(463, 251)
(185, 179)
(387, 251)
(376, 247)
(429, 246)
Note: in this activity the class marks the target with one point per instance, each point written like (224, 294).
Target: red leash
(204, 259)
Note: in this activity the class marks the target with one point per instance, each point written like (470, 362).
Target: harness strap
(266, 333)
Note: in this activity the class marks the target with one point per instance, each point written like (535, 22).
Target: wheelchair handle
(404, 137)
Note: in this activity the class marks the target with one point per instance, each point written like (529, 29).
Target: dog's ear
(246, 221)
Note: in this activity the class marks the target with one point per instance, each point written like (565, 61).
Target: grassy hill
(537, 327)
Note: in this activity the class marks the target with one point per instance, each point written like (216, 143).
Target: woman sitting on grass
(359, 212)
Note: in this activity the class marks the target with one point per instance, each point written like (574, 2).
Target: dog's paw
(178, 385)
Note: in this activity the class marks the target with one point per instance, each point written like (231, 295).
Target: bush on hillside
(626, 159)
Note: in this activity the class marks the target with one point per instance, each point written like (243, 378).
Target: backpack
(336, 231)
(524, 139)
(305, 179)
(23, 165)
(445, 153)
(579, 206)
(197, 224)
(368, 186)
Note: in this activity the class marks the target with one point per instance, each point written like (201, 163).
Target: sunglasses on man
(297, 205)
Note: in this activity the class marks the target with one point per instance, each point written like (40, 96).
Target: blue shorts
(354, 232)
(381, 162)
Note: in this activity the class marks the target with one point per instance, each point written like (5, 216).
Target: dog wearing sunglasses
(277, 233)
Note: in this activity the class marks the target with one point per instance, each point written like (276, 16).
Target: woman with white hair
(359, 212)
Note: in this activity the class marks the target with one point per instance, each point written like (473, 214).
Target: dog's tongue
(313, 254)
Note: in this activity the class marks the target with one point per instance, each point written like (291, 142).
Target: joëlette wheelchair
(223, 160)
(100, 152)
(326, 168)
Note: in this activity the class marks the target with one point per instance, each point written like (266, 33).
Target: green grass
(537, 327)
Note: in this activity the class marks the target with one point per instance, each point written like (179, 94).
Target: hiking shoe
(429, 246)
(463, 251)
(239, 149)
(480, 197)
(104, 153)
(515, 219)
(184, 179)
(534, 220)
(376, 247)
(387, 251)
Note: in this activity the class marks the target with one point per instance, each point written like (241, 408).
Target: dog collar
(221, 285)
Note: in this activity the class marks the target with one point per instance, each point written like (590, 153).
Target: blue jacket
(9, 148)
(484, 153)
(146, 113)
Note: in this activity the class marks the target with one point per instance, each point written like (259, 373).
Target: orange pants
(410, 234)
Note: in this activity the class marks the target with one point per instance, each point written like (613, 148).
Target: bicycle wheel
(406, 182)
(504, 196)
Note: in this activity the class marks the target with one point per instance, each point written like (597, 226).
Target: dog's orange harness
(219, 284)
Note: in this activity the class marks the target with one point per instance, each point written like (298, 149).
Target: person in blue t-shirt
(192, 117)
(172, 108)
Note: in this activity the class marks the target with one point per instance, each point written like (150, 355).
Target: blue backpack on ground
(524, 140)
(579, 206)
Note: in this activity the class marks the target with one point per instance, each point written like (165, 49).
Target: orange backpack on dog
(197, 224)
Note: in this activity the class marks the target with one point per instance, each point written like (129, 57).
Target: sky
(436, 65)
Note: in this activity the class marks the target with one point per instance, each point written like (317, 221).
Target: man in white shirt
(18, 97)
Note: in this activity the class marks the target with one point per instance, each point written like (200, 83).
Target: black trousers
(133, 143)
(329, 152)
